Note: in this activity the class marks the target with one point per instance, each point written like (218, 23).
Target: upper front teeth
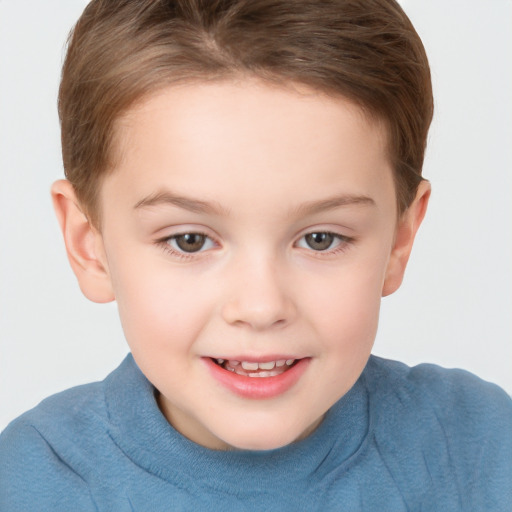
(267, 366)
(249, 365)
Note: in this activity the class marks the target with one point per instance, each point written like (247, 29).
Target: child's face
(252, 223)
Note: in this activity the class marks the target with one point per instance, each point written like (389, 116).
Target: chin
(261, 439)
(260, 443)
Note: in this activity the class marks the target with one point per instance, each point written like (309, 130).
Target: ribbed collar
(141, 431)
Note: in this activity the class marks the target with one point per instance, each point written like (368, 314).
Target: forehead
(249, 103)
(244, 135)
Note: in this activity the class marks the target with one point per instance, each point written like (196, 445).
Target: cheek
(347, 304)
(158, 308)
(349, 318)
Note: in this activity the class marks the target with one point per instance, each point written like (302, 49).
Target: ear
(406, 230)
(84, 244)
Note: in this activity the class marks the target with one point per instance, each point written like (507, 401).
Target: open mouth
(256, 369)
(258, 379)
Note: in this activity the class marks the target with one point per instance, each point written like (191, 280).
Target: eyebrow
(313, 207)
(186, 203)
(199, 206)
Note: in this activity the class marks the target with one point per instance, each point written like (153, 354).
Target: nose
(258, 296)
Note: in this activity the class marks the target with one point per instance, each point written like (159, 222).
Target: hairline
(115, 151)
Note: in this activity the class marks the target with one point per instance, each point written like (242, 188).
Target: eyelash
(164, 243)
(343, 244)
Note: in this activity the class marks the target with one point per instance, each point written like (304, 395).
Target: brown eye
(319, 241)
(189, 242)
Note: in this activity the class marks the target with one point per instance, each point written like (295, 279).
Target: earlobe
(84, 244)
(407, 228)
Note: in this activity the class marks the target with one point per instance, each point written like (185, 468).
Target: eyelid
(163, 242)
(344, 241)
(176, 247)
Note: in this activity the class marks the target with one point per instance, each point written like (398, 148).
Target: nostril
(260, 301)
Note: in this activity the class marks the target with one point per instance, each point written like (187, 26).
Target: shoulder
(62, 414)
(46, 449)
(452, 394)
(446, 429)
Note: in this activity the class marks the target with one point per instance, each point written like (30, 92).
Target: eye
(321, 241)
(190, 242)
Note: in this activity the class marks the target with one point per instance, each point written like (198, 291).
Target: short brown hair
(122, 50)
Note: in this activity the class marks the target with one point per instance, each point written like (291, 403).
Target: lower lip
(258, 388)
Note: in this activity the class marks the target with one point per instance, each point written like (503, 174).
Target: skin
(255, 168)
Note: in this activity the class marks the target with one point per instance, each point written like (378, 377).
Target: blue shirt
(402, 439)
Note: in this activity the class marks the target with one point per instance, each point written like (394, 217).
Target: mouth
(256, 369)
(257, 379)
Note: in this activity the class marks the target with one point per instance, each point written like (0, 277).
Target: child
(244, 179)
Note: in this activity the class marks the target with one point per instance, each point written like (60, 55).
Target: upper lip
(257, 359)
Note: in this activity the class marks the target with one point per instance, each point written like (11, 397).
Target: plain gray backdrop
(455, 306)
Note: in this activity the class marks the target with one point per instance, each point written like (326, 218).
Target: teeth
(270, 365)
(265, 369)
(264, 374)
(249, 366)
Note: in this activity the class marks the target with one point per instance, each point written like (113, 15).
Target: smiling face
(248, 234)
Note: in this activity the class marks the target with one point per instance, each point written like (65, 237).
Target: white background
(455, 307)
